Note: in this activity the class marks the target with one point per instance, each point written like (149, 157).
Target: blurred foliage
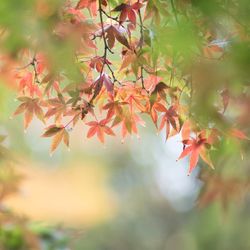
(16, 232)
(148, 221)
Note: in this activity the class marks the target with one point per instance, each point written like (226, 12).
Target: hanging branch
(106, 49)
(141, 45)
(110, 17)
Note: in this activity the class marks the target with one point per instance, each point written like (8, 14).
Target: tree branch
(141, 45)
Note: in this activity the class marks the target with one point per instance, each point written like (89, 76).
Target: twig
(25, 66)
(113, 74)
(106, 49)
(110, 17)
(74, 117)
(33, 64)
(141, 44)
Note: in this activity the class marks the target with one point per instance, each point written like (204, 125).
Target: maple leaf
(26, 83)
(59, 133)
(57, 108)
(97, 63)
(133, 96)
(114, 108)
(91, 5)
(169, 118)
(158, 94)
(196, 147)
(109, 85)
(76, 15)
(101, 80)
(30, 107)
(129, 57)
(154, 85)
(134, 100)
(100, 128)
(128, 11)
(129, 122)
(113, 31)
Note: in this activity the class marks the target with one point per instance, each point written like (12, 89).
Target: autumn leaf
(113, 32)
(97, 63)
(128, 11)
(30, 107)
(57, 108)
(170, 118)
(114, 108)
(196, 147)
(51, 131)
(99, 128)
(58, 133)
(27, 85)
(90, 4)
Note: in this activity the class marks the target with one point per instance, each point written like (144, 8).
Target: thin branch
(25, 66)
(32, 63)
(106, 49)
(141, 45)
(113, 74)
(110, 17)
(74, 117)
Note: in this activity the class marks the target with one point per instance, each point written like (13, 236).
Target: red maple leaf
(30, 107)
(114, 108)
(100, 128)
(196, 147)
(128, 11)
(113, 32)
(170, 118)
(26, 83)
(97, 63)
(101, 80)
